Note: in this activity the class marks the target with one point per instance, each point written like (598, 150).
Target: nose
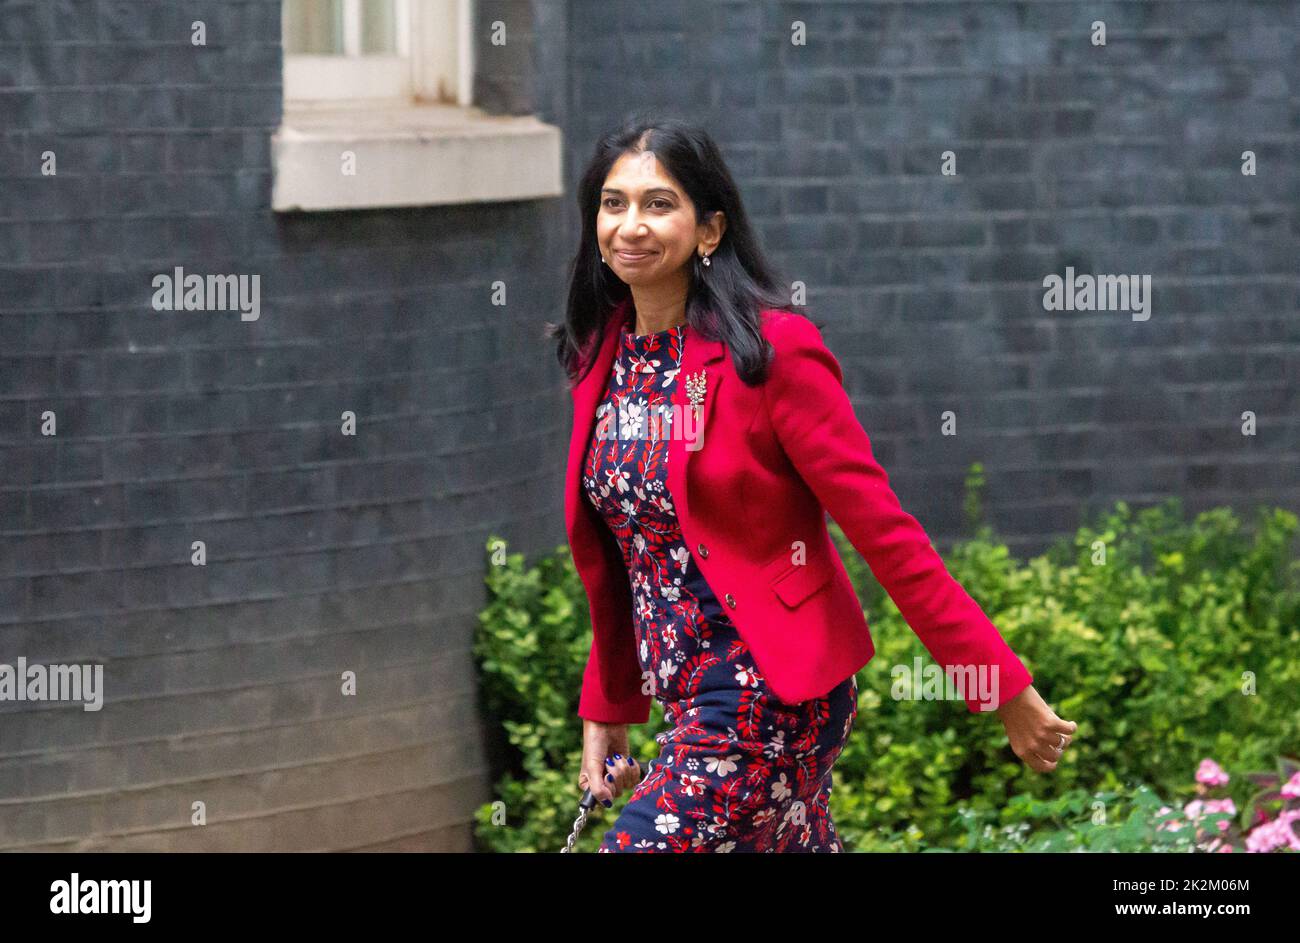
(628, 228)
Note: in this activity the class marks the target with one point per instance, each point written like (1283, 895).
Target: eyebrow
(648, 192)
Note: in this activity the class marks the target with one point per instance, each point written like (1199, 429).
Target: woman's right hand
(606, 780)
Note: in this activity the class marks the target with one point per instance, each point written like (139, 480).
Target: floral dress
(739, 769)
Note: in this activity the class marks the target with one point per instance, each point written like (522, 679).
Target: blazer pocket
(800, 581)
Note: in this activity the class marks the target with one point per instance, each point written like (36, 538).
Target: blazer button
(731, 600)
(704, 551)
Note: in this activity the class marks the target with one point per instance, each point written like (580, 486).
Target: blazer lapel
(698, 352)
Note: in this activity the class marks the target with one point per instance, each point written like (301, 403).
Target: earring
(706, 261)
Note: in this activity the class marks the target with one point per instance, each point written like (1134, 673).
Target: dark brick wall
(326, 553)
(329, 553)
(1116, 159)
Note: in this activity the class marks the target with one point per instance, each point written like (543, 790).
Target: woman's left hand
(1037, 735)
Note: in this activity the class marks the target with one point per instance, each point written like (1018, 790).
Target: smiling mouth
(632, 256)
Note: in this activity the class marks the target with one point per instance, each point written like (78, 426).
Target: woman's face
(646, 224)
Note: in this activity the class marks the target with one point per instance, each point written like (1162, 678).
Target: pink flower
(1291, 788)
(1287, 818)
(1263, 838)
(1210, 773)
(1221, 805)
(1275, 834)
(1170, 825)
(1197, 809)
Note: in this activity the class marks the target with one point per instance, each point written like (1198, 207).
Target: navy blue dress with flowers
(739, 769)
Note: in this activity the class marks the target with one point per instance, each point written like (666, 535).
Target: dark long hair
(724, 298)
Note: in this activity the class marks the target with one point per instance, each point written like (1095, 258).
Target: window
(377, 112)
(346, 50)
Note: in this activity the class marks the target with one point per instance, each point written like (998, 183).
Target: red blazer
(752, 480)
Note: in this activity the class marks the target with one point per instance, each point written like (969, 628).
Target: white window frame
(412, 134)
(433, 62)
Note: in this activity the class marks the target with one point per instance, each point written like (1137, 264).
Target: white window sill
(409, 154)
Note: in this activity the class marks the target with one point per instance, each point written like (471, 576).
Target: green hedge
(1148, 648)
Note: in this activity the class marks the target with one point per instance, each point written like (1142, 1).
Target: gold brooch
(695, 388)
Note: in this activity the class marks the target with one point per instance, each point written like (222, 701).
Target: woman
(712, 435)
